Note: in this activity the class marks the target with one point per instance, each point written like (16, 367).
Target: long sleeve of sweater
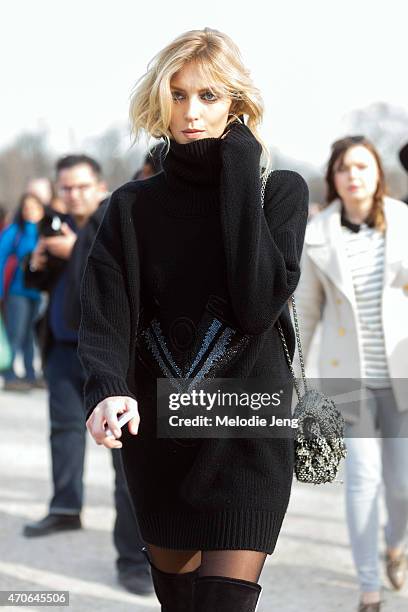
(263, 247)
(105, 328)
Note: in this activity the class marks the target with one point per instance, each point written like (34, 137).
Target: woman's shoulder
(288, 188)
(10, 231)
(136, 192)
(282, 176)
(395, 210)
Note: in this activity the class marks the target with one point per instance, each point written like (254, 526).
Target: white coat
(325, 293)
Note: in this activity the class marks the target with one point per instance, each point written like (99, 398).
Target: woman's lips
(192, 133)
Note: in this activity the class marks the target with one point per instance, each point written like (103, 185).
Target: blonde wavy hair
(220, 61)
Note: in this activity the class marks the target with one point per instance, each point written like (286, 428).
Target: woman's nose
(192, 110)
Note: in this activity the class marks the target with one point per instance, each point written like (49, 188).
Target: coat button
(342, 331)
(338, 300)
(334, 363)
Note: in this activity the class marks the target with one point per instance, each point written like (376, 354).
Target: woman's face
(197, 112)
(32, 211)
(356, 175)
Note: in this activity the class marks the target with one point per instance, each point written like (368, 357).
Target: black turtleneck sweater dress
(186, 263)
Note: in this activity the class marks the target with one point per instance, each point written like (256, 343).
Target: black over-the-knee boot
(174, 591)
(222, 594)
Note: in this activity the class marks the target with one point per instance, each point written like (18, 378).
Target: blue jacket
(12, 244)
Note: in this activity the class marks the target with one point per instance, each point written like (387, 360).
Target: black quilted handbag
(319, 442)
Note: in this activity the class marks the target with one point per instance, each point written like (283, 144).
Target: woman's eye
(209, 96)
(176, 95)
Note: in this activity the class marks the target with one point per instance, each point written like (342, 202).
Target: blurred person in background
(80, 183)
(20, 303)
(44, 189)
(403, 156)
(314, 209)
(151, 163)
(3, 217)
(41, 187)
(354, 282)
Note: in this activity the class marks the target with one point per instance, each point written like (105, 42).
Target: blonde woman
(355, 281)
(188, 276)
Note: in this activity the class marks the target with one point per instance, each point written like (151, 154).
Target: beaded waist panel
(188, 354)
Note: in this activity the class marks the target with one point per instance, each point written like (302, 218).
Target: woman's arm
(28, 240)
(7, 244)
(262, 246)
(105, 329)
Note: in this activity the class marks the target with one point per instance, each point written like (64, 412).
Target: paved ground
(311, 569)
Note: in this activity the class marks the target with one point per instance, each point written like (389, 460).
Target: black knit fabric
(187, 245)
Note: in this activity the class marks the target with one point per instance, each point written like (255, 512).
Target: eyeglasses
(67, 189)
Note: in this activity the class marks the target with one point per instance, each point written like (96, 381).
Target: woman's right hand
(105, 416)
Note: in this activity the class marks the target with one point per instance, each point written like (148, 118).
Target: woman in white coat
(355, 282)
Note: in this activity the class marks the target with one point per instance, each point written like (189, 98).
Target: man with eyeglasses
(82, 189)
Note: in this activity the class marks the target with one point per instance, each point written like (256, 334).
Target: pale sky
(70, 65)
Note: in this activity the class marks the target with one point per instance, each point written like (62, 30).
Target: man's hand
(61, 246)
(38, 259)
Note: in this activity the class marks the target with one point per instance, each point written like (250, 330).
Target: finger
(110, 442)
(133, 425)
(113, 425)
(97, 429)
(111, 420)
(55, 240)
(90, 425)
(41, 260)
(66, 230)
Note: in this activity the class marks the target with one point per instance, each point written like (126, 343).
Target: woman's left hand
(240, 140)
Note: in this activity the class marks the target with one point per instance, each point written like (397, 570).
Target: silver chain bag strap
(319, 441)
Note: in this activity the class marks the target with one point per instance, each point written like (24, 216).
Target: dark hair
(340, 147)
(70, 161)
(152, 158)
(18, 217)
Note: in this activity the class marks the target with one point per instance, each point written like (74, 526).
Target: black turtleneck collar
(196, 163)
(192, 172)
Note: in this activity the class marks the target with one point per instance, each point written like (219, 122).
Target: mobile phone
(50, 225)
(122, 420)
